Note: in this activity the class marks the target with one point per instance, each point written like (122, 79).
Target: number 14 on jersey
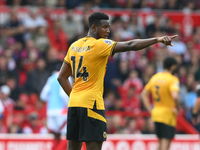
(76, 73)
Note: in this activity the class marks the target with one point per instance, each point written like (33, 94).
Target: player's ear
(94, 28)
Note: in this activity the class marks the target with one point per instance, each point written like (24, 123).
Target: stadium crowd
(33, 48)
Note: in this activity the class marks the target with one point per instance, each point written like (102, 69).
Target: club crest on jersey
(108, 42)
(104, 134)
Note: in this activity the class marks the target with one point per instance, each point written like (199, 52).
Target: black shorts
(84, 124)
(164, 131)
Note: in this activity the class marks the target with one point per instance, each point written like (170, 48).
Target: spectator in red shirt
(130, 99)
(58, 39)
(33, 125)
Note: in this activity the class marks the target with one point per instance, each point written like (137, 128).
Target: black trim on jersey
(67, 62)
(111, 52)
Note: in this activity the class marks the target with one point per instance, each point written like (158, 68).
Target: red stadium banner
(175, 16)
(187, 21)
(114, 142)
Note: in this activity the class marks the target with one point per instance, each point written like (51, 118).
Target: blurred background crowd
(33, 47)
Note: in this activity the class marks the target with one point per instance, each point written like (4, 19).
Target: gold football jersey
(160, 86)
(88, 59)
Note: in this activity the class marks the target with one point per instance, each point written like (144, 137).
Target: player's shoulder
(76, 42)
(156, 75)
(174, 77)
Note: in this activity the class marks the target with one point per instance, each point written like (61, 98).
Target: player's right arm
(138, 44)
(145, 96)
(63, 76)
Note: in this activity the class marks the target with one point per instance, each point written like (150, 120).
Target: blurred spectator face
(70, 14)
(11, 42)
(47, 12)
(33, 118)
(11, 82)
(159, 56)
(134, 19)
(131, 91)
(57, 24)
(179, 59)
(32, 56)
(172, 3)
(182, 71)
(33, 12)
(191, 5)
(14, 128)
(42, 30)
(117, 36)
(149, 70)
(159, 4)
(177, 28)
(41, 64)
(18, 46)
(132, 125)
(5, 92)
(8, 54)
(125, 20)
(17, 2)
(190, 81)
(133, 74)
(40, 2)
(123, 66)
(52, 54)
(61, 3)
(3, 63)
(13, 16)
(116, 121)
(194, 58)
(143, 62)
(97, 2)
(30, 44)
(118, 104)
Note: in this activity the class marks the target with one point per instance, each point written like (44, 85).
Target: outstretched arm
(138, 44)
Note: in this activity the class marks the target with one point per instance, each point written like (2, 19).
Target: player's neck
(91, 34)
(167, 71)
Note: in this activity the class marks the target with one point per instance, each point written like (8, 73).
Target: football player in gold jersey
(164, 88)
(196, 107)
(86, 60)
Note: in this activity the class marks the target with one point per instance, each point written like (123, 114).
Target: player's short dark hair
(95, 18)
(169, 62)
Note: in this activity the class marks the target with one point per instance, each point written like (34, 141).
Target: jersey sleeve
(175, 85)
(67, 58)
(148, 86)
(105, 47)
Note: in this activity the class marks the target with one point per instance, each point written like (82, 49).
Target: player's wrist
(157, 39)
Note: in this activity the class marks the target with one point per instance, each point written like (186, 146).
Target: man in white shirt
(57, 102)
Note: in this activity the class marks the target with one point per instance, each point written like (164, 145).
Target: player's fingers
(168, 40)
(173, 36)
(171, 44)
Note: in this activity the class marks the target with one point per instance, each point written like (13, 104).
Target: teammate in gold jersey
(164, 88)
(86, 60)
(196, 107)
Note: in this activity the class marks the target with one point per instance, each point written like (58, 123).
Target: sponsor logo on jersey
(110, 42)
